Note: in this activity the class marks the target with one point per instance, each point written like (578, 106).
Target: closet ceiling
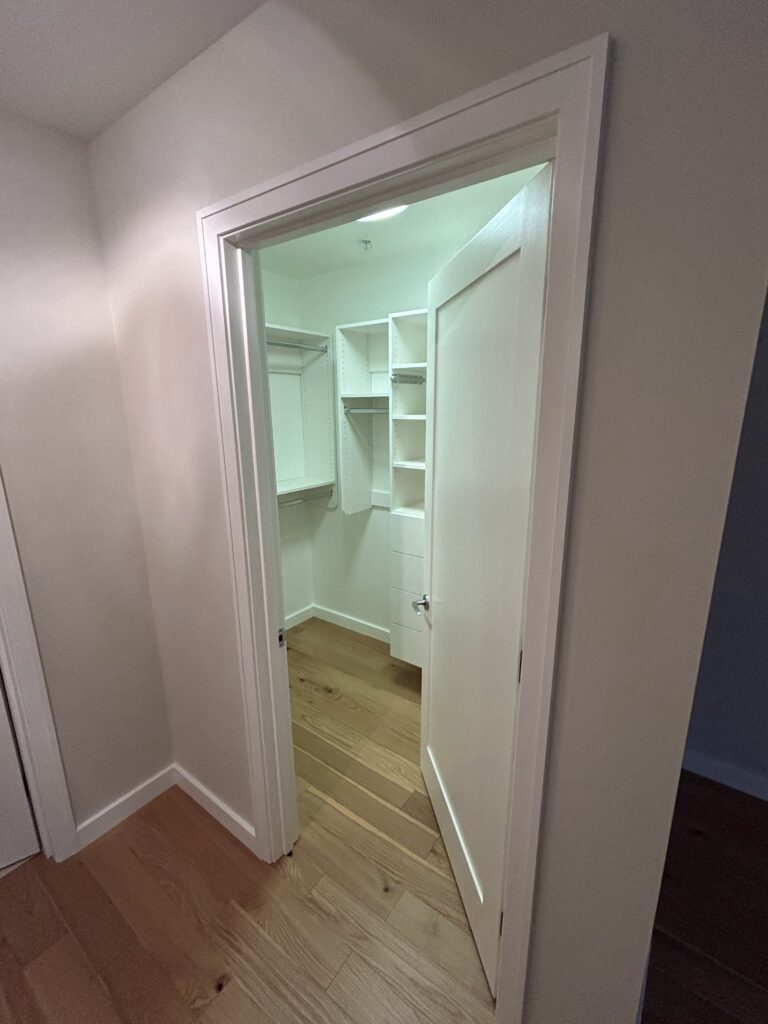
(77, 65)
(447, 220)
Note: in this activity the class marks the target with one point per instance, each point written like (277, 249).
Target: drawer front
(406, 572)
(401, 612)
(407, 644)
(406, 534)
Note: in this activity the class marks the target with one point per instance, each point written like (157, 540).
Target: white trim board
(172, 775)
(726, 772)
(124, 806)
(318, 611)
(550, 111)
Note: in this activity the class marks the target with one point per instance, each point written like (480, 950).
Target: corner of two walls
(67, 466)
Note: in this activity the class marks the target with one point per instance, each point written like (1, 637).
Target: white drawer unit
(406, 572)
(406, 534)
(401, 611)
(407, 644)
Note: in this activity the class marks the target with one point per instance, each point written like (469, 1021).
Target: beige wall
(65, 459)
(680, 250)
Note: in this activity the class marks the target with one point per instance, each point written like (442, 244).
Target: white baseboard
(296, 618)
(317, 611)
(216, 807)
(136, 798)
(727, 773)
(125, 806)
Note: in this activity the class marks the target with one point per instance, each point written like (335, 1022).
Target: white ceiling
(78, 64)
(447, 220)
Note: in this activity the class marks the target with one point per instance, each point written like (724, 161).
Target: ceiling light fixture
(383, 214)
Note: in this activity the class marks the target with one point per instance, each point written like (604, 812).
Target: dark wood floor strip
(709, 954)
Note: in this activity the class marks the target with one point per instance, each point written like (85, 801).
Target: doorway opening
(547, 114)
(403, 349)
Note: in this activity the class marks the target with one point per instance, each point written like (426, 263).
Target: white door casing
(485, 324)
(553, 109)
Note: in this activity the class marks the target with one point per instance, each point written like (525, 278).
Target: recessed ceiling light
(383, 214)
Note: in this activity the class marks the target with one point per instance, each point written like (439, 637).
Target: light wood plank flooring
(168, 918)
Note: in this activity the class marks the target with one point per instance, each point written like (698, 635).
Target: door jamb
(557, 103)
(28, 702)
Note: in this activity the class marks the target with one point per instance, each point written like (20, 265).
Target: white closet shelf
(350, 396)
(298, 484)
(413, 511)
(408, 366)
(411, 416)
(409, 464)
(275, 332)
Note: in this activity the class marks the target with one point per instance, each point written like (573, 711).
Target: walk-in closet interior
(348, 358)
(347, 350)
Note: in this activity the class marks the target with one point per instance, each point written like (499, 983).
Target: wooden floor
(709, 956)
(169, 919)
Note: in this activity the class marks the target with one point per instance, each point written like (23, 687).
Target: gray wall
(677, 292)
(728, 734)
(67, 468)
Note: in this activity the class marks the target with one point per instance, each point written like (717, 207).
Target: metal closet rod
(298, 344)
(360, 411)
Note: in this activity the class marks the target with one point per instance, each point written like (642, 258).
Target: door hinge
(520, 666)
(281, 636)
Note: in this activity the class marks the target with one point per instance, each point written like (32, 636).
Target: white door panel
(485, 319)
(18, 837)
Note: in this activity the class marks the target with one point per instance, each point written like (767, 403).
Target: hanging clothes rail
(361, 411)
(408, 378)
(297, 344)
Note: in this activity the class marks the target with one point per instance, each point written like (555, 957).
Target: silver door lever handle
(421, 605)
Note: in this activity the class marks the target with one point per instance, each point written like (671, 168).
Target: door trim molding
(29, 704)
(552, 110)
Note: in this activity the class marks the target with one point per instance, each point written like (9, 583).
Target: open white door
(485, 325)
(18, 836)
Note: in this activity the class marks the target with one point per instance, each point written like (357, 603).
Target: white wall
(67, 468)
(676, 294)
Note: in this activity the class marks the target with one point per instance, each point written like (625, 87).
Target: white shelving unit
(362, 360)
(408, 432)
(301, 399)
(382, 417)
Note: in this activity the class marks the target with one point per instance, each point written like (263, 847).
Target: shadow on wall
(728, 734)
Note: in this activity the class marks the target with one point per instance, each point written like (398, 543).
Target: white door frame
(28, 701)
(551, 110)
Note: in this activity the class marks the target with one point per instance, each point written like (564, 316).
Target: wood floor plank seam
(393, 821)
(705, 955)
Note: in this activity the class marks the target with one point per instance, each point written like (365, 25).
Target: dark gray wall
(728, 734)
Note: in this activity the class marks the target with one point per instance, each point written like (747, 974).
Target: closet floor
(356, 724)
